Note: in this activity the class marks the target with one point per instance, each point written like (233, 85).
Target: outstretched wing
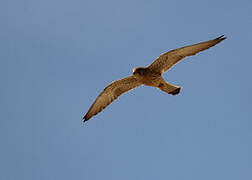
(167, 60)
(110, 93)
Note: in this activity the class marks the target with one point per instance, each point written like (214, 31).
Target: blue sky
(57, 56)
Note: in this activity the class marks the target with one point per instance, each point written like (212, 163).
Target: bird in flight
(149, 76)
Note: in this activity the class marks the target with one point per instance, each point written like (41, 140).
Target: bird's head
(140, 71)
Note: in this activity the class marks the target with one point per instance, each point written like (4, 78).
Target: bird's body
(146, 76)
(149, 76)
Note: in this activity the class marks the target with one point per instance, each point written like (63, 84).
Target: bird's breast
(150, 80)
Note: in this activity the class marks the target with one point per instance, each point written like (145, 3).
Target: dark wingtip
(85, 118)
(222, 37)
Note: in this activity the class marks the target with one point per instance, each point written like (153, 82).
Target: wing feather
(110, 93)
(168, 59)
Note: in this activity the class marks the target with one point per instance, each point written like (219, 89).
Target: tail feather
(169, 88)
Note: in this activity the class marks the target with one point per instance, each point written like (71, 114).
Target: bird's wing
(168, 59)
(110, 93)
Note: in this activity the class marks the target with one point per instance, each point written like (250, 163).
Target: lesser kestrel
(149, 76)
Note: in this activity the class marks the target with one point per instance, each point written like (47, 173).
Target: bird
(149, 76)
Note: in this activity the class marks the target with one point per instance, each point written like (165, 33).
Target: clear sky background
(58, 55)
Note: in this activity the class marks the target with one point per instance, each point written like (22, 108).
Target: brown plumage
(149, 76)
(110, 93)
